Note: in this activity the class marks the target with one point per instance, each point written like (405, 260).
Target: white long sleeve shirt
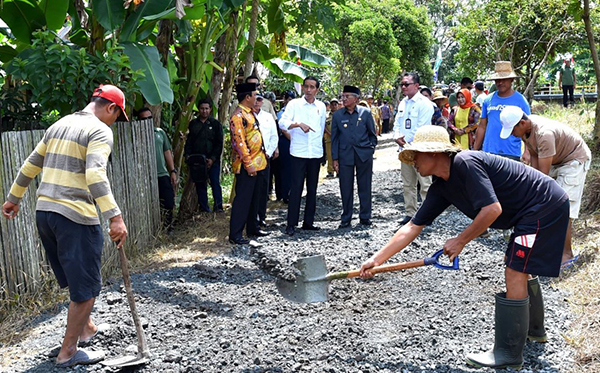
(268, 130)
(418, 110)
(310, 144)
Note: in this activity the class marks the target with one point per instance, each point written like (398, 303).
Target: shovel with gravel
(143, 355)
(312, 281)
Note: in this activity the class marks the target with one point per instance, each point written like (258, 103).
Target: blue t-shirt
(492, 106)
(478, 179)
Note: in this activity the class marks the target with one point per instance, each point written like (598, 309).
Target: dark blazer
(352, 133)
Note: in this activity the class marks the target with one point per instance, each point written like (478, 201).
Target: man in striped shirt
(73, 156)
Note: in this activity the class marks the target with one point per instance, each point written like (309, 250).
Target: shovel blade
(125, 361)
(310, 285)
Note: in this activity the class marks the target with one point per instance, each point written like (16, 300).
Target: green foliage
(376, 40)
(155, 86)
(59, 77)
(109, 13)
(521, 31)
(23, 17)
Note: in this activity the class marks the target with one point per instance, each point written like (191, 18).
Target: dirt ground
(224, 313)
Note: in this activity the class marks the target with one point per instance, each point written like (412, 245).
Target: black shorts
(74, 252)
(536, 248)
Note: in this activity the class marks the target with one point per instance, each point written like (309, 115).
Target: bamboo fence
(132, 175)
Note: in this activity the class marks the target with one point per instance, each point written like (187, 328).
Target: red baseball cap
(112, 94)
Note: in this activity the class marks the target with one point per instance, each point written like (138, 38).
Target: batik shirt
(246, 141)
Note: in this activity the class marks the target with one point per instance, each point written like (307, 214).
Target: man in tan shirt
(557, 151)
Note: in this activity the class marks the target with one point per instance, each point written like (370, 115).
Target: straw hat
(428, 139)
(503, 70)
(438, 95)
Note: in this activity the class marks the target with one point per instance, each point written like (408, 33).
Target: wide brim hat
(439, 95)
(503, 70)
(428, 139)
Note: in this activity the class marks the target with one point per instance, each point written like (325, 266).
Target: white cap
(509, 117)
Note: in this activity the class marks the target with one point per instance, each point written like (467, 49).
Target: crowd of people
(461, 148)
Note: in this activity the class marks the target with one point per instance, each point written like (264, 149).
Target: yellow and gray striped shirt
(73, 156)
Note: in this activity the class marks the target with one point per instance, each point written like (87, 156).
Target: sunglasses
(406, 84)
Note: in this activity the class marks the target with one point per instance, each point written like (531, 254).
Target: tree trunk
(252, 33)
(594, 53)
(189, 201)
(231, 66)
(96, 36)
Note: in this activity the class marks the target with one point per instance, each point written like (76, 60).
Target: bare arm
(401, 239)
(543, 164)
(480, 134)
(487, 215)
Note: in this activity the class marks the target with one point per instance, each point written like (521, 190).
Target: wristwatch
(174, 170)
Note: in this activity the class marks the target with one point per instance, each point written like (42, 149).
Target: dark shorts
(74, 252)
(536, 248)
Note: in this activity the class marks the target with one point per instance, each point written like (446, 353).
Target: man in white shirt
(304, 118)
(268, 130)
(480, 94)
(414, 111)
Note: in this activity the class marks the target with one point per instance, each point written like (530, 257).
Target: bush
(57, 79)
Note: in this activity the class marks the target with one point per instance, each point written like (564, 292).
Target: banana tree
(197, 58)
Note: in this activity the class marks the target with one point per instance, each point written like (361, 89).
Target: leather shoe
(290, 230)
(366, 222)
(310, 228)
(239, 241)
(344, 224)
(259, 233)
(406, 219)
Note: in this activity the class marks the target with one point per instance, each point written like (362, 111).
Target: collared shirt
(418, 110)
(246, 141)
(268, 129)
(305, 145)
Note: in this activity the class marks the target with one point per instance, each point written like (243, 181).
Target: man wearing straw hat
(499, 193)
(73, 156)
(487, 136)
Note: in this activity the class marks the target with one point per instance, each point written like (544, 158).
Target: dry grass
(583, 281)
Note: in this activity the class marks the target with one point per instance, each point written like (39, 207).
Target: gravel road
(224, 314)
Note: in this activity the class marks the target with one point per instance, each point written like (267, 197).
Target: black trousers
(303, 169)
(263, 186)
(567, 89)
(364, 176)
(385, 127)
(282, 170)
(167, 200)
(245, 204)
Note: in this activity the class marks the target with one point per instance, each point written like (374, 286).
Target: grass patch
(582, 281)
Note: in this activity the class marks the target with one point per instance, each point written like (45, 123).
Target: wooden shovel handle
(141, 337)
(390, 267)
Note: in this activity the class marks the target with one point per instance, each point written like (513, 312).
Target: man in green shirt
(567, 81)
(165, 170)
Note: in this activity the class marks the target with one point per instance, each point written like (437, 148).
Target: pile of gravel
(224, 313)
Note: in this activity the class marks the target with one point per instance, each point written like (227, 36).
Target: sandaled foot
(100, 328)
(82, 357)
(569, 263)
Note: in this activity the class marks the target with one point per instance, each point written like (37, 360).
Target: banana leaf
(109, 13)
(55, 12)
(309, 57)
(23, 17)
(155, 85)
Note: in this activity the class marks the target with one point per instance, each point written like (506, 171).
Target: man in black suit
(353, 141)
